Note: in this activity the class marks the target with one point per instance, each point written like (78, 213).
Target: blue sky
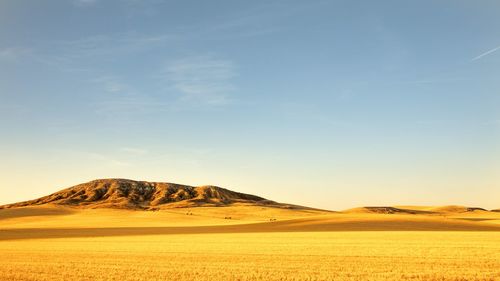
(332, 104)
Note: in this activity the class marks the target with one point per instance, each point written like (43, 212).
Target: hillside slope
(419, 210)
(130, 194)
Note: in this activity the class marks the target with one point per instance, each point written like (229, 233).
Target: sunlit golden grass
(56, 243)
(258, 256)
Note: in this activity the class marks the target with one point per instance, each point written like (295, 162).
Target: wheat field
(258, 256)
(57, 243)
(41, 244)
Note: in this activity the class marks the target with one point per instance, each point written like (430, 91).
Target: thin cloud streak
(105, 45)
(111, 84)
(134, 150)
(202, 79)
(81, 54)
(486, 53)
(130, 105)
(13, 53)
(84, 3)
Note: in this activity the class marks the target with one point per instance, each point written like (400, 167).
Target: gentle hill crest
(385, 210)
(415, 210)
(457, 209)
(130, 194)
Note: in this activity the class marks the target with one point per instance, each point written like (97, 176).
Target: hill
(414, 210)
(457, 209)
(108, 207)
(130, 194)
(385, 210)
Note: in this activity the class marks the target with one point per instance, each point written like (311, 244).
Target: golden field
(56, 243)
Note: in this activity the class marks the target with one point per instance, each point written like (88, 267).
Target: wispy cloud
(13, 53)
(84, 53)
(192, 82)
(427, 81)
(129, 105)
(104, 45)
(202, 79)
(13, 108)
(111, 84)
(84, 3)
(134, 150)
(123, 98)
(103, 159)
(486, 53)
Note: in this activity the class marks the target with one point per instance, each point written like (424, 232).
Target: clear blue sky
(332, 104)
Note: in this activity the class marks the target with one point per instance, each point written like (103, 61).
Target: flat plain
(243, 242)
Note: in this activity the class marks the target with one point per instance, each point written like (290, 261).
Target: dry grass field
(258, 256)
(57, 243)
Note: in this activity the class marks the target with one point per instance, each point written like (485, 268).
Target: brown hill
(129, 194)
(456, 209)
(385, 210)
(439, 210)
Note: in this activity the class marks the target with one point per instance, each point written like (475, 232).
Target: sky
(329, 104)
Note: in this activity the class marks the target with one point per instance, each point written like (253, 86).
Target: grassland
(65, 244)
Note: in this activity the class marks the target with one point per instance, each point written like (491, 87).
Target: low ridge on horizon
(132, 194)
(122, 193)
(416, 210)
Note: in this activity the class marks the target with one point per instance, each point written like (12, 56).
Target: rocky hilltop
(124, 193)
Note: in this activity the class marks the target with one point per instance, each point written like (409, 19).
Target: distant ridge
(143, 195)
(130, 194)
(385, 210)
(455, 209)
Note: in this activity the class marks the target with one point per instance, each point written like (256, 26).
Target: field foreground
(258, 256)
(64, 244)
